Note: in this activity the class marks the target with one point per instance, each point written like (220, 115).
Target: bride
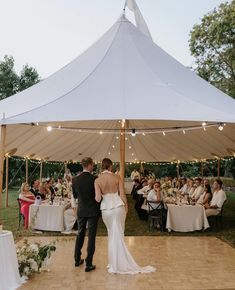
(109, 189)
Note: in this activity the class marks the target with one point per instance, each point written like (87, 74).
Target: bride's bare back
(109, 182)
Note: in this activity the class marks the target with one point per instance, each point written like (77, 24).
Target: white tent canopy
(124, 75)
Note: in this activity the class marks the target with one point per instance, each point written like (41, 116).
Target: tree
(212, 43)
(10, 82)
(28, 77)
(8, 78)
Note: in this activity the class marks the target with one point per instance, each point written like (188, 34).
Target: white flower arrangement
(31, 257)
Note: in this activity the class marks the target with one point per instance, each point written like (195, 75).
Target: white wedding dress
(120, 259)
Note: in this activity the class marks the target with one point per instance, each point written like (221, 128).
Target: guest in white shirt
(145, 190)
(135, 174)
(218, 199)
(183, 189)
(155, 194)
(198, 190)
(190, 188)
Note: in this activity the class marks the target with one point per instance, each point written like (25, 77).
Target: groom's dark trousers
(88, 214)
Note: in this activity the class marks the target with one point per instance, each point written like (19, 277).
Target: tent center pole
(40, 175)
(2, 154)
(122, 151)
(27, 170)
(7, 177)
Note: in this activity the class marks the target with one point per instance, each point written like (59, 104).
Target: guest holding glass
(26, 199)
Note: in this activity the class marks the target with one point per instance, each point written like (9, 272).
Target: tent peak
(123, 18)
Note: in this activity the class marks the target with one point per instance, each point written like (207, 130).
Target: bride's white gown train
(120, 259)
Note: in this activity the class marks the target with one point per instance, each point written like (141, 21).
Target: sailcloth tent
(78, 111)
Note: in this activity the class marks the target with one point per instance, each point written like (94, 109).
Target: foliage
(31, 257)
(10, 82)
(212, 43)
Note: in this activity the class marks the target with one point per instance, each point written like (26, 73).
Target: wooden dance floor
(181, 262)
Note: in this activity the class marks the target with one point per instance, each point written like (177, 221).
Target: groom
(88, 213)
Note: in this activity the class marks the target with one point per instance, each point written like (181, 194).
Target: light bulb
(133, 133)
(221, 127)
(49, 128)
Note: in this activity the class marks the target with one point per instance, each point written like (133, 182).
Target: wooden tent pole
(202, 168)
(122, 151)
(7, 177)
(40, 176)
(27, 170)
(178, 169)
(2, 154)
(65, 166)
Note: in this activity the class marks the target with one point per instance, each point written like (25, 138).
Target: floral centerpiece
(31, 257)
(165, 188)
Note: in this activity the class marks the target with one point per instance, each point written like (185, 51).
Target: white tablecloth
(9, 275)
(186, 218)
(47, 217)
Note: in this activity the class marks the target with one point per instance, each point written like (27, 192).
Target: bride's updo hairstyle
(106, 163)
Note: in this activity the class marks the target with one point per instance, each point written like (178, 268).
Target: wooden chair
(217, 220)
(155, 214)
(21, 216)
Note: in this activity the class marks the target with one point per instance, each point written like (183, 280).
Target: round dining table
(9, 274)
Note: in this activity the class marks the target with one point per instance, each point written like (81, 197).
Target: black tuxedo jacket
(84, 191)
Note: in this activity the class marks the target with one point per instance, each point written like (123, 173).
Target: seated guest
(183, 189)
(198, 190)
(59, 184)
(142, 194)
(205, 182)
(178, 184)
(42, 190)
(190, 188)
(145, 190)
(50, 193)
(137, 185)
(218, 199)
(35, 187)
(156, 195)
(26, 199)
(206, 197)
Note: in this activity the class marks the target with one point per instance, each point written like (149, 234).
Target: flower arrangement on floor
(32, 257)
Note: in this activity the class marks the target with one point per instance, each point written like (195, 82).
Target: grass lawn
(134, 226)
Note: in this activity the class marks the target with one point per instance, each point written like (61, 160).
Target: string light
(133, 133)
(221, 127)
(209, 161)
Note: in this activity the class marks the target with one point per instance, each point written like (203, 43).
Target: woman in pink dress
(26, 199)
